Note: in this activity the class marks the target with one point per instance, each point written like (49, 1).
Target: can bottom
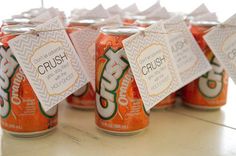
(82, 107)
(163, 107)
(202, 107)
(122, 133)
(29, 134)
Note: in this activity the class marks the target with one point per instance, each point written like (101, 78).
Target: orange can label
(119, 105)
(21, 111)
(169, 101)
(210, 90)
(83, 98)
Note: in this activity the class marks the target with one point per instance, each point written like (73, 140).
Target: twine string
(96, 27)
(36, 32)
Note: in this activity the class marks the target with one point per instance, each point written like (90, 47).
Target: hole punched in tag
(142, 33)
(34, 32)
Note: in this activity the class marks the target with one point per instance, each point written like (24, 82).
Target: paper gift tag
(158, 14)
(206, 17)
(202, 9)
(152, 8)
(42, 17)
(47, 15)
(50, 63)
(84, 41)
(97, 12)
(114, 10)
(190, 59)
(132, 9)
(222, 41)
(152, 64)
(77, 13)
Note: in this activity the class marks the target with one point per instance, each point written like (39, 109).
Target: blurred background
(224, 9)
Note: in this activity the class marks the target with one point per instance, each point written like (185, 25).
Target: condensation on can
(119, 107)
(210, 90)
(21, 112)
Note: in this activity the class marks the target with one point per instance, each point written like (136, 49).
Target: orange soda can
(83, 98)
(169, 101)
(21, 112)
(82, 23)
(145, 22)
(210, 90)
(120, 109)
(130, 19)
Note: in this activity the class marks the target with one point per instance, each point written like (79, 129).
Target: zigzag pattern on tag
(82, 40)
(137, 44)
(202, 65)
(24, 47)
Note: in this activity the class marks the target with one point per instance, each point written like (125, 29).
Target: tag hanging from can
(50, 63)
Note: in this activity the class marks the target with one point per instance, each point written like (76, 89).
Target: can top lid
(204, 23)
(121, 30)
(135, 17)
(16, 21)
(86, 22)
(146, 21)
(16, 29)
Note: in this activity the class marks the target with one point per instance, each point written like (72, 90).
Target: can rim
(146, 21)
(86, 22)
(135, 17)
(16, 21)
(121, 30)
(16, 29)
(204, 23)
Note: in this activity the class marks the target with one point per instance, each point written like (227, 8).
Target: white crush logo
(113, 70)
(8, 65)
(211, 83)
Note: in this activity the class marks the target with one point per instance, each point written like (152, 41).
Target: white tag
(222, 42)
(47, 15)
(158, 14)
(164, 61)
(152, 64)
(132, 9)
(50, 63)
(114, 10)
(42, 17)
(190, 59)
(97, 12)
(206, 17)
(202, 9)
(152, 8)
(84, 41)
(78, 13)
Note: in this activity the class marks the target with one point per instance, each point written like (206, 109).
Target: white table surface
(180, 131)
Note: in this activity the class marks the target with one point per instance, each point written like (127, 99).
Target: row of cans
(119, 107)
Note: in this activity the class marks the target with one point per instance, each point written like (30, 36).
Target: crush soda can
(210, 90)
(169, 101)
(82, 23)
(130, 19)
(144, 22)
(119, 107)
(21, 112)
(83, 98)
